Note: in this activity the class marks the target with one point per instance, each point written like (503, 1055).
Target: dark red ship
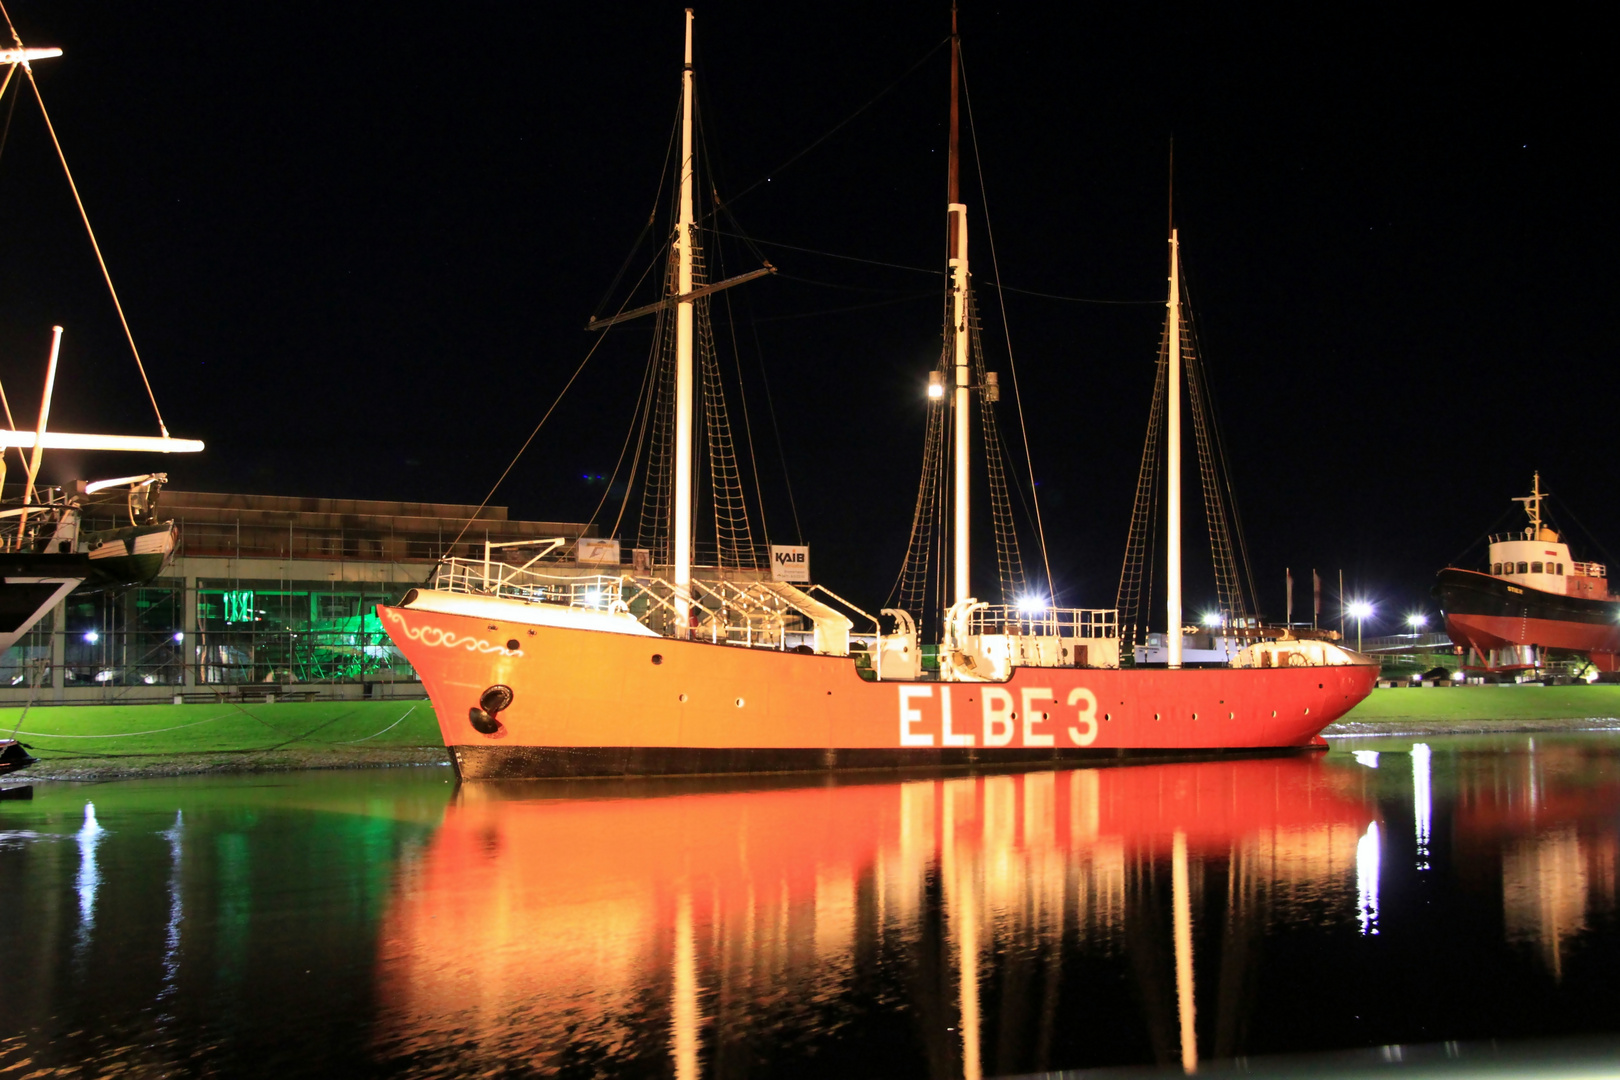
(1532, 604)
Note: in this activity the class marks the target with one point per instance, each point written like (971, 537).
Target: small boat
(13, 756)
(1532, 600)
(534, 675)
(45, 553)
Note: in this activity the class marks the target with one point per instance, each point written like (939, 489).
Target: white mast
(957, 239)
(682, 531)
(1532, 506)
(1172, 574)
(39, 432)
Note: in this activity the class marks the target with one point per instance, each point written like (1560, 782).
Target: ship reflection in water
(390, 923)
(981, 924)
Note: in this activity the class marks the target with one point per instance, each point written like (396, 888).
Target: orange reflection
(1547, 815)
(666, 924)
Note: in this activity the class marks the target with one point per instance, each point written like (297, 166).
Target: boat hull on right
(1489, 614)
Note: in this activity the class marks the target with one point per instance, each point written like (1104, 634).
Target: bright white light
(104, 675)
(1367, 859)
(936, 390)
(1360, 609)
(1422, 801)
(149, 679)
(1031, 605)
(65, 440)
(1212, 618)
(91, 636)
(1368, 758)
(593, 598)
(1417, 621)
(179, 635)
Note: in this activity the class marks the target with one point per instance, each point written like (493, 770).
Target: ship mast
(957, 240)
(1532, 506)
(682, 526)
(1172, 574)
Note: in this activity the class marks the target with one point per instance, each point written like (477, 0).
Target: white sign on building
(790, 563)
(597, 551)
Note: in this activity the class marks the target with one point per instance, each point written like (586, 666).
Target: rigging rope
(847, 308)
(781, 452)
(94, 245)
(11, 107)
(838, 126)
(926, 270)
(498, 481)
(1018, 399)
(652, 217)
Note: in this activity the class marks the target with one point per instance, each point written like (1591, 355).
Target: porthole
(1108, 716)
(683, 697)
(1274, 714)
(1307, 710)
(1195, 716)
(1231, 716)
(740, 703)
(1155, 716)
(658, 658)
(512, 645)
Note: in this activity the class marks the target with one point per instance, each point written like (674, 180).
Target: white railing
(751, 614)
(1048, 622)
(1590, 569)
(489, 578)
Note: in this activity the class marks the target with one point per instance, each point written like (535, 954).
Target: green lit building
(266, 595)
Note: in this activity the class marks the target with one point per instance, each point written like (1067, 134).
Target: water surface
(389, 922)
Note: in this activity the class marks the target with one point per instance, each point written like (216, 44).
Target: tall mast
(682, 530)
(1532, 506)
(1172, 574)
(956, 233)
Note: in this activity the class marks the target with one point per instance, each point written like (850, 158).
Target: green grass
(1530, 702)
(343, 731)
(340, 728)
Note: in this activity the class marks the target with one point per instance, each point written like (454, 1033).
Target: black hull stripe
(1465, 592)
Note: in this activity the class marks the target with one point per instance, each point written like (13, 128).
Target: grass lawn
(1530, 702)
(338, 728)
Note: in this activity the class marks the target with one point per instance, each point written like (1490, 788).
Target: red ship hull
(591, 703)
(1486, 613)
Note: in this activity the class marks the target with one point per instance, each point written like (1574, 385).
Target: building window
(294, 632)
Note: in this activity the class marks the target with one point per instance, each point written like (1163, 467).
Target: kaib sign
(790, 563)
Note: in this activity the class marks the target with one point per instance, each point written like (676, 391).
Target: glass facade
(294, 631)
(244, 631)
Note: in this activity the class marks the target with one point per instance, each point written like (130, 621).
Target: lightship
(533, 675)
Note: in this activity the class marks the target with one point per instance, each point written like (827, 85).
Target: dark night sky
(357, 244)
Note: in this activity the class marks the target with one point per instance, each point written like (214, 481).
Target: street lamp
(1360, 610)
(1417, 621)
